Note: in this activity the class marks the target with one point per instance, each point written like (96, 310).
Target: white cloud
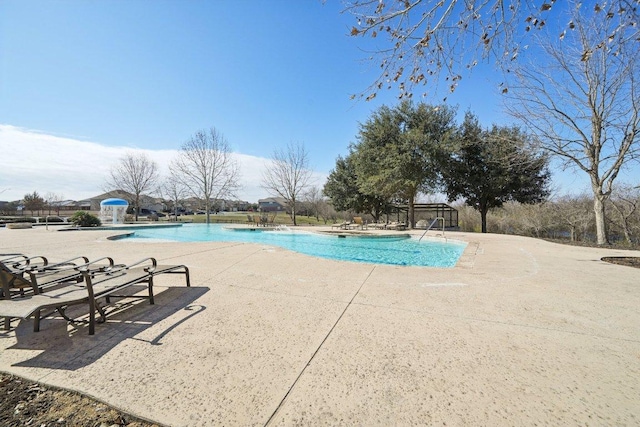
(76, 169)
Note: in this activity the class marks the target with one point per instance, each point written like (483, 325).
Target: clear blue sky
(148, 74)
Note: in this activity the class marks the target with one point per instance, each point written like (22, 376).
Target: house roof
(279, 200)
(119, 194)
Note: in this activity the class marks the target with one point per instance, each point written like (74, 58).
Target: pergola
(429, 212)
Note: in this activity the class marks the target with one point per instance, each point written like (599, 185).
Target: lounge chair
(358, 223)
(396, 226)
(24, 278)
(10, 257)
(96, 283)
(24, 274)
(19, 260)
(343, 225)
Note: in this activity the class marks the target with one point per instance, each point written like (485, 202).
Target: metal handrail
(431, 225)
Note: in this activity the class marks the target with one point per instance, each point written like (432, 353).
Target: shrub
(85, 219)
(51, 219)
(25, 219)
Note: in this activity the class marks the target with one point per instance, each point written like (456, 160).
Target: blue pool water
(377, 250)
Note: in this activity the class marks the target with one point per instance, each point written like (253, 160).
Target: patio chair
(96, 283)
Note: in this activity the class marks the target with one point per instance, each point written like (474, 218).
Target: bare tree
(205, 165)
(315, 201)
(626, 201)
(288, 175)
(135, 173)
(575, 213)
(581, 97)
(417, 40)
(53, 201)
(174, 190)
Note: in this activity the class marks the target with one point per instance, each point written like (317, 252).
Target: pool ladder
(431, 225)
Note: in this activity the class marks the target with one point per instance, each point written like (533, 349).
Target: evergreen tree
(343, 190)
(489, 167)
(33, 202)
(397, 151)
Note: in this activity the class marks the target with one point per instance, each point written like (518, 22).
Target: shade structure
(113, 210)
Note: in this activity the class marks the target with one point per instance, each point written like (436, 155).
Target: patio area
(520, 332)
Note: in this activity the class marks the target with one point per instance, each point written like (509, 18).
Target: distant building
(114, 194)
(146, 202)
(6, 207)
(272, 204)
(238, 206)
(71, 205)
(232, 205)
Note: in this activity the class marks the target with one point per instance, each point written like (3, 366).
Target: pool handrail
(431, 225)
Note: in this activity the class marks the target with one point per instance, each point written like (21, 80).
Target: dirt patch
(629, 261)
(27, 403)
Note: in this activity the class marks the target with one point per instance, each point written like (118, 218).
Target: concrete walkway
(520, 332)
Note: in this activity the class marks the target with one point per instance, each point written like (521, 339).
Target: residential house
(272, 204)
(146, 202)
(117, 194)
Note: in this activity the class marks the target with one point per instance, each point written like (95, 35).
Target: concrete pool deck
(520, 332)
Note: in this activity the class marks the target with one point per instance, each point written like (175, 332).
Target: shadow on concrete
(70, 347)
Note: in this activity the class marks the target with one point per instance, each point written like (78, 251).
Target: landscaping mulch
(629, 261)
(27, 403)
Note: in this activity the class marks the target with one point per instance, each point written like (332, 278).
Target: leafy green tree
(33, 202)
(489, 167)
(397, 151)
(571, 70)
(342, 188)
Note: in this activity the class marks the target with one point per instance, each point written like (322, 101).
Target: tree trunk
(293, 211)
(483, 217)
(598, 208)
(411, 218)
(627, 234)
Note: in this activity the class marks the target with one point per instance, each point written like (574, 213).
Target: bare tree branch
(288, 175)
(419, 40)
(136, 173)
(580, 97)
(206, 166)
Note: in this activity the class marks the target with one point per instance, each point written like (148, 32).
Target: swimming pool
(397, 250)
